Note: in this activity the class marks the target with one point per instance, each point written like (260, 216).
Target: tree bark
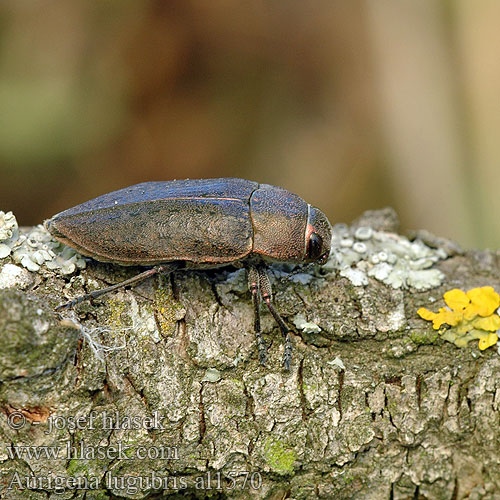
(158, 390)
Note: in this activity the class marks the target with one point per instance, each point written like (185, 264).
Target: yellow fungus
(484, 300)
(469, 315)
(488, 341)
(456, 299)
(491, 323)
(426, 314)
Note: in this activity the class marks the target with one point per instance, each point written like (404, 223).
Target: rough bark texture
(402, 415)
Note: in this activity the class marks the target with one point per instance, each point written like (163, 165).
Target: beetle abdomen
(199, 221)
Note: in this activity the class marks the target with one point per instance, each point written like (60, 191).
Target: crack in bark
(173, 285)
(76, 360)
(416, 494)
(418, 389)
(202, 422)
(250, 413)
(183, 344)
(213, 286)
(300, 387)
(250, 403)
(341, 385)
(386, 406)
(139, 392)
(446, 402)
(367, 403)
(454, 494)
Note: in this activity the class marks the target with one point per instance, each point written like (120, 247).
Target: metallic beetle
(199, 223)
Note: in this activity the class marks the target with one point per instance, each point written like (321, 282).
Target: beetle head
(318, 236)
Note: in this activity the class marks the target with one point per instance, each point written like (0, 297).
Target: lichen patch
(362, 252)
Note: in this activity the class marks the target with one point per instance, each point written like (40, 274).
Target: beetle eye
(314, 246)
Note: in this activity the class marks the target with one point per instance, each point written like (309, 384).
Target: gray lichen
(36, 248)
(301, 323)
(14, 276)
(362, 252)
(211, 375)
(9, 233)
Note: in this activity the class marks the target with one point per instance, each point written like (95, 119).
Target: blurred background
(353, 105)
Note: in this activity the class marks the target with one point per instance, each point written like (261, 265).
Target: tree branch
(158, 389)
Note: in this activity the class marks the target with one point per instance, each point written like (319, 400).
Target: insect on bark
(196, 224)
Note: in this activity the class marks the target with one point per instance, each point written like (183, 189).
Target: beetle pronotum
(199, 223)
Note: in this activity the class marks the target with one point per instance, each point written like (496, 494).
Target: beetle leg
(253, 285)
(131, 281)
(267, 295)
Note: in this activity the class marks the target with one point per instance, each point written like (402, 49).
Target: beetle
(196, 224)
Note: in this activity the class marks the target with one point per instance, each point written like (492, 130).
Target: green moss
(278, 457)
(309, 387)
(97, 495)
(424, 337)
(237, 382)
(348, 478)
(77, 467)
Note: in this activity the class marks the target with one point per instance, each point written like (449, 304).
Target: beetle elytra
(198, 223)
